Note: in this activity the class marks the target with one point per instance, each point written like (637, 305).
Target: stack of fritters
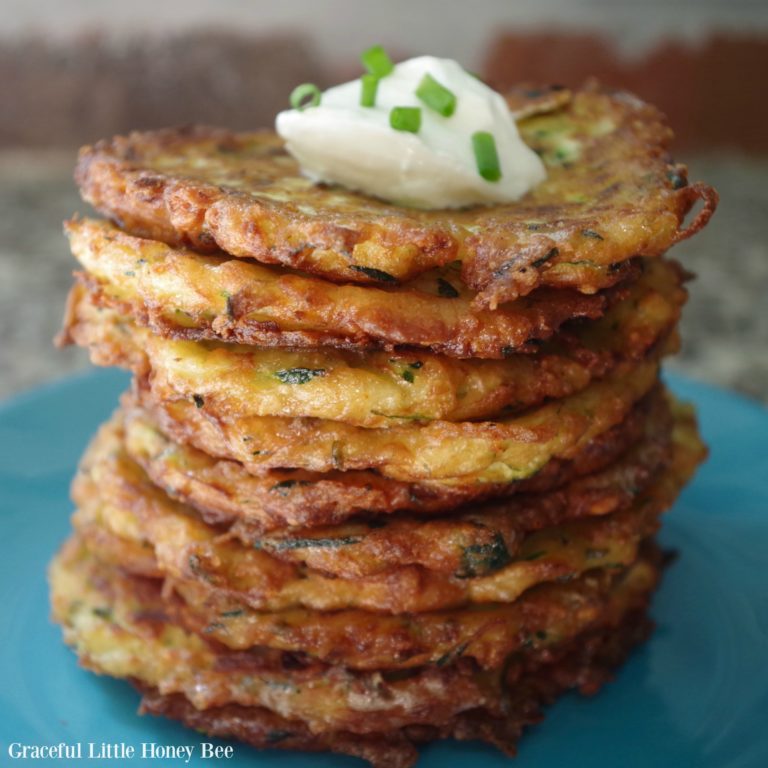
(383, 475)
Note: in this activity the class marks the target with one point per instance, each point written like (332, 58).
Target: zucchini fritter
(113, 493)
(183, 294)
(380, 389)
(223, 490)
(115, 497)
(542, 619)
(477, 540)
(611, 193)
(533, 681)
(119, 626)
(452, 452)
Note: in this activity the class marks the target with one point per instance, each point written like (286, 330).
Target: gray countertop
(725, 326)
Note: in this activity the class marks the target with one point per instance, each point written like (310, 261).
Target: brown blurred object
(712, 93)
(63, 95)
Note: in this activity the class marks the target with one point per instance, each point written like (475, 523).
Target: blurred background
(76, 71)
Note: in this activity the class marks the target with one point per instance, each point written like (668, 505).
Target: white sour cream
(341, 142)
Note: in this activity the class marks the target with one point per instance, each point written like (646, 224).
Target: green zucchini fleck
(196, 566)
(446, 290)
(375, 274)
(273, 737)
(481, 559)
(282, 545)
(298, 375)
(534, 555)
(232, 613)
(452, 655)
(285, 485)
(677, 179)
(550, 254)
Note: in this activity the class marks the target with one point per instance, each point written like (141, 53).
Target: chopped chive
(305, 95)
(199, 401)
(486, 156)
(369, 84)
(377, 61)
(408, 375)
(405, 119)
(436, 96)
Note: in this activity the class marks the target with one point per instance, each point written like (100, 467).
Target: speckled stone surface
(725, 326)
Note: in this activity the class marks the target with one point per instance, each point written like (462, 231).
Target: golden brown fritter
(116, 499)
(452, 452)
(381, 389)
(584, 664)
(183, 294)
(361, 639)
(478, 539)
(487, 633)
(223, 490)
(611, 193)
(119, 625)
(542, 619)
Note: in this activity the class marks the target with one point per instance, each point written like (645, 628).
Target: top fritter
(611, 193)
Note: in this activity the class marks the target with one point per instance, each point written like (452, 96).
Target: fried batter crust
(183, 294)
(380, 389)
(110, 489)
(452, 452)
(611, 193)
(585, 664)
(124, 626)
(370, 544)
(224, 492)
(478, 539)
(485, 633)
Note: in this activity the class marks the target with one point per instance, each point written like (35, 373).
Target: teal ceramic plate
(696, 695)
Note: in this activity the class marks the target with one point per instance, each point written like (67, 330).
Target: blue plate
(696, 695)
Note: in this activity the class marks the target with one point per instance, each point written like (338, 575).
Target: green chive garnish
(486, 156)
(405, 119)
(369, 84)
(305, 95)
(436, 96)
(377, 62)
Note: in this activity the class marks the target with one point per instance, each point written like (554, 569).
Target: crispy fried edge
(187, 211)
(279, 499)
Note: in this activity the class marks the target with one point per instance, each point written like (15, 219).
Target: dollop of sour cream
(340, 141)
